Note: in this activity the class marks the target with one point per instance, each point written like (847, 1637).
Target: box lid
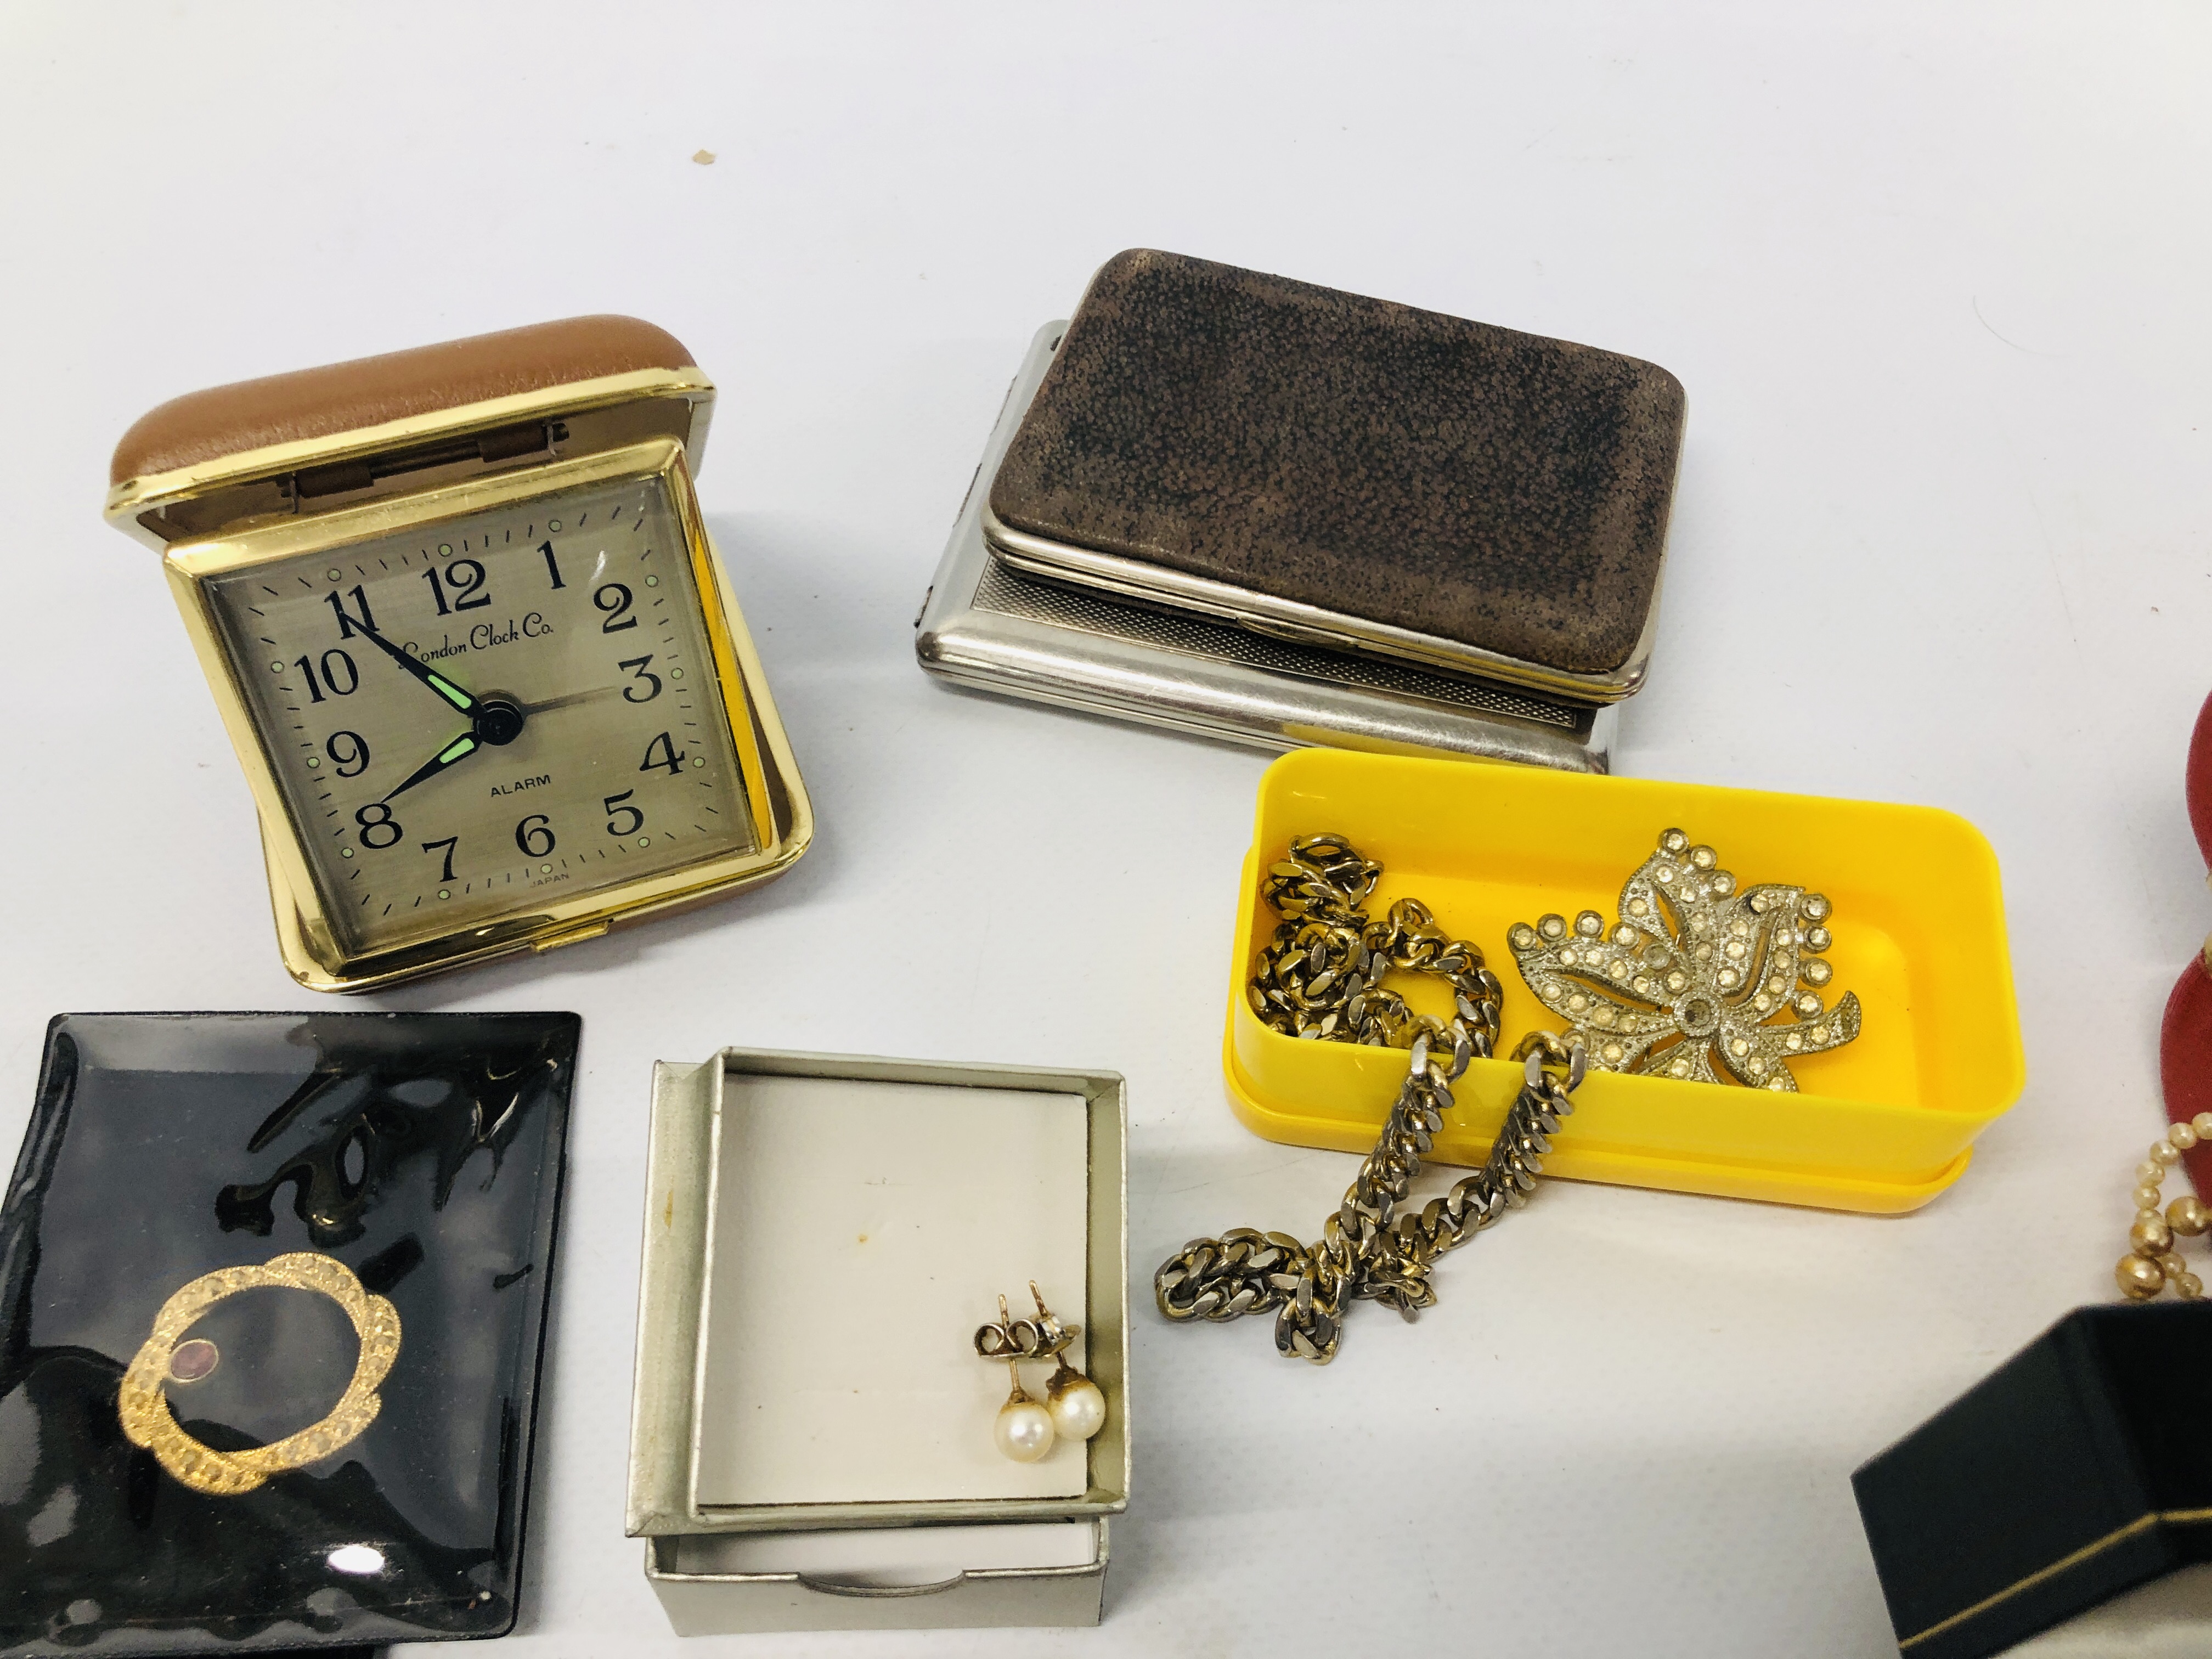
(2073, 1472)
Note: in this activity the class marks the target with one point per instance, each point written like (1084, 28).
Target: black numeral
(374, 816)
(349, 751)
(536, 842)
(449, 844)
(551, 569)
(614, 599)
(671, 757)
(349, 624)
(636, 665)
(612, 806)
(342, 660)
(466, 576)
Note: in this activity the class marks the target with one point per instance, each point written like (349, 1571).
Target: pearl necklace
(2152, 1265)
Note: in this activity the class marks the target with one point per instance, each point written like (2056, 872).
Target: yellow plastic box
(1881, 1125)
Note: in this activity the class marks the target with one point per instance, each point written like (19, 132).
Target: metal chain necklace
(1321, 977)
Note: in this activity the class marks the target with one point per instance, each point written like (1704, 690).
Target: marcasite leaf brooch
(1697, 979)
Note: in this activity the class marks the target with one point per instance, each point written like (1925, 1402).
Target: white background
(1935, 279)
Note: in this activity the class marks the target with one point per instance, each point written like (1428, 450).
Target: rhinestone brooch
(1698, 979)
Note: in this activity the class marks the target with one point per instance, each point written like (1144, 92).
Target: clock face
(489, 713)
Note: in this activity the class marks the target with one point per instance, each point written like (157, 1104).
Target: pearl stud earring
(1076, 1403)
(1023, 1429)
(1073, 1409)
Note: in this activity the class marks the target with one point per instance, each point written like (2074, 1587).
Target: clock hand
(421, 671)
(495, 722)
(459, 749)
(568, 702)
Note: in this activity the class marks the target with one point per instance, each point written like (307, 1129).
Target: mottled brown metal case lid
(1498, 490)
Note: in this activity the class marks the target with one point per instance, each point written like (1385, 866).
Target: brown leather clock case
(314, 403)
(1470, 484)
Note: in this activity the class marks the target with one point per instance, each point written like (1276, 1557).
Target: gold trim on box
(783, 819)
(1143, 582)
(2141, 1524)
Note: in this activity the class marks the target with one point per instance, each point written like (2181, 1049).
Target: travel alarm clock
(477, 657)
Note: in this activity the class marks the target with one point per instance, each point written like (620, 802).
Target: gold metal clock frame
(250, 504)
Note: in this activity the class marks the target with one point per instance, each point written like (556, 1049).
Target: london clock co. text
(483, 637)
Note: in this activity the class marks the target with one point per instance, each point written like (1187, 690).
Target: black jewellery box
(273, 1291)
(2064, 1503)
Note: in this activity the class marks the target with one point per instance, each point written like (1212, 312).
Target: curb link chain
(1319, 978)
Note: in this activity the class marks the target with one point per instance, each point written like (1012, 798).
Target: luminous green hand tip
(460, 747)
(452, 692)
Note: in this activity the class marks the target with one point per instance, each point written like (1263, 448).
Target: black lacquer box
(273, 1291)
(2073, 1488)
